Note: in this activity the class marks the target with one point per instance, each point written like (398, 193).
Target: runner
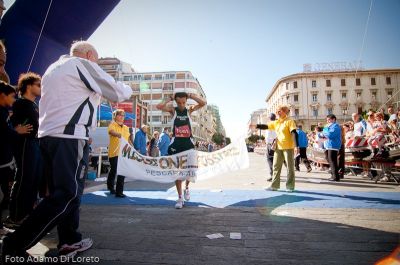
(182, 139)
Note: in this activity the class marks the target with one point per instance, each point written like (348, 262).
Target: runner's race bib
(182, 131)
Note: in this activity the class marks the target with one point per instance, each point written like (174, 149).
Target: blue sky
(239, 49)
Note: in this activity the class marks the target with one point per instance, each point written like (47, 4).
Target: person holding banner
(116, 130)
(182, 139)
(284, 145)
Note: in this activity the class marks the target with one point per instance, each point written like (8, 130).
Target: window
(287, 86)
(137, 77)
(373, 95)
(296, 112)
(329, 97)
(314, 97)
(315, 112)
(295, 84)
(156, 118)
(343, 82)
(328, 83)
(373, 81)
(313, 83)
(169, 76)
(147, 77)
(127, 78)
(329, 111)
(389, 94)
(158, 77)
(296, 98)
(287, 99)
(358, 95)
(388, 81)
(358, 82)
(344, 95)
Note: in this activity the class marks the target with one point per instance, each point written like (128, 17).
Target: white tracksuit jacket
(71, 91)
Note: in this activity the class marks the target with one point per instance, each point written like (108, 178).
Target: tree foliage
(254, 138)
(218, 138)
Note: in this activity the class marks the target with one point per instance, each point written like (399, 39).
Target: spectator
(71, 91)
(8, 133)
(341, 154)
(270, 138)
(154, 151)
(377, 135)
(141, 140)
(286, 141)
(360, 125)
(25, 188)
(370, 123)
(348, 133)
(319, 138)
(210, 147)
(392, 114)
(332, 133)
(385, 116)
(3, 58)
(116, 131)
(301, 150)
(164, 141)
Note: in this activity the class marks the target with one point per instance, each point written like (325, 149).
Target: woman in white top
(319, 140)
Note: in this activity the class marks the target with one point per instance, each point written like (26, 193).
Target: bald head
(2, 8)
(85, 50)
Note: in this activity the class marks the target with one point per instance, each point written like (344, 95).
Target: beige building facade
(313, 95)
(259, 116)
(153, 88)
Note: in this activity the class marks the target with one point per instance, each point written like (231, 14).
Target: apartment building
(313, 95)
(257, 117)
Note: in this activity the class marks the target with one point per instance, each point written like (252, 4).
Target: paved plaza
(354, 221)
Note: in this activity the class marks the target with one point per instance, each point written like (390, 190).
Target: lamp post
(344, 112)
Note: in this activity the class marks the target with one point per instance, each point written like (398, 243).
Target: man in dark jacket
(301, 150)
(7, 135)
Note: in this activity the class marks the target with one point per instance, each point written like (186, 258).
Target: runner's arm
(165, 106)
(201, 102)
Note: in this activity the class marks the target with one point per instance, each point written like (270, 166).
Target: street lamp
(344, 112)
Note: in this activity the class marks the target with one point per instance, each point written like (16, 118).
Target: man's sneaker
(186, 194)
(179, 203)
(4, 231)
(270, 189)
(9, 223)
(71, 250)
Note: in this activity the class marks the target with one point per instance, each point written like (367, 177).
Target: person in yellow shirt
(116, 131)
(286, 142)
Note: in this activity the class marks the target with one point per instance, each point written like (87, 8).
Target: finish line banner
(191, 165)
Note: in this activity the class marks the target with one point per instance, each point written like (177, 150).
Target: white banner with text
(189, 165)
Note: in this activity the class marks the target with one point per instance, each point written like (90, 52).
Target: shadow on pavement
(163, 235)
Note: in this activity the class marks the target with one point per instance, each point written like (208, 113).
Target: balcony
(154, 112)
(298, 117)
(155, 123)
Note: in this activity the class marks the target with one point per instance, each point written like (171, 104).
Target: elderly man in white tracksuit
(71, 91)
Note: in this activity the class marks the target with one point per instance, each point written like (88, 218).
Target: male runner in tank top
(182, 131)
